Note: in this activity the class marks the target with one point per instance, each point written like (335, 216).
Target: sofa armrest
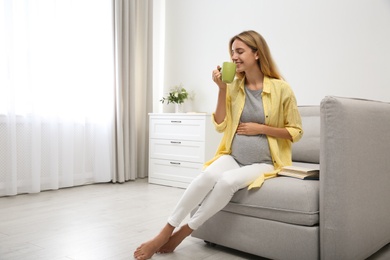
(355, 177)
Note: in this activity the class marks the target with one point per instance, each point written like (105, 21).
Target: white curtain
(133, 87)
(57, 82)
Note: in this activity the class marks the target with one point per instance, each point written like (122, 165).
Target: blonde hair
(258, 45)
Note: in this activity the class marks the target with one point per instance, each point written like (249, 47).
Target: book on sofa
(302, 173)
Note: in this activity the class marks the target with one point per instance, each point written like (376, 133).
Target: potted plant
(177, 95)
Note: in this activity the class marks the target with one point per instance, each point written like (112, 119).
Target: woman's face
(243, 56)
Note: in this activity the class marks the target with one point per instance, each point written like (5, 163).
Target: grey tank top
(250, 149)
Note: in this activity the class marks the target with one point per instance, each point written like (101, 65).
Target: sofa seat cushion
(282, 199)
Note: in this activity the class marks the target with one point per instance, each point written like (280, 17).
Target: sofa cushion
(282, 199)
(308, 148)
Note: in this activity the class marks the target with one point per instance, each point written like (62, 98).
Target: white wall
(324, 47)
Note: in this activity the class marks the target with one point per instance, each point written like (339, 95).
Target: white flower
(177, 95)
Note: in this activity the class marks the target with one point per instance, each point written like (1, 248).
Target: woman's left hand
(249, 129)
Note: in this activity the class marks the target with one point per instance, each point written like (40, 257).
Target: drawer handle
(175, 142)
(175, 163)
(176, 121)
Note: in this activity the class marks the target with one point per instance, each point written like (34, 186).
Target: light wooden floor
(100, 221)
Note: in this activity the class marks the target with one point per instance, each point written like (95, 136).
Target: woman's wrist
(261, 129)
(222, 87)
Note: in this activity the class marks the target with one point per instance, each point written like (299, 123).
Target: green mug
(228, 72)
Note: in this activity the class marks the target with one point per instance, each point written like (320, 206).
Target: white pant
(215, 186)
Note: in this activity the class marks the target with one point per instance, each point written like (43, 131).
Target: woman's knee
(226, 185)
(205, 179)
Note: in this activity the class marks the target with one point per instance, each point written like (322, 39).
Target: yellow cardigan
(280, 110)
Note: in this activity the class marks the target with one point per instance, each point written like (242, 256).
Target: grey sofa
(344, 215)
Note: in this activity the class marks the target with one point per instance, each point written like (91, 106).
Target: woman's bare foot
(175, 240)
(148, 249)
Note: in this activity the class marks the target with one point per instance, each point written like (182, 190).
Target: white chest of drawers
(179, 144)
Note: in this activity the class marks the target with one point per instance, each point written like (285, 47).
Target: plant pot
(178, 108)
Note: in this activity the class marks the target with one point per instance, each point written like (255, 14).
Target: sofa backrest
(308, 148)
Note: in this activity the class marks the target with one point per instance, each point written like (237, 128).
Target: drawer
(177, 128)
(188, 151)
(173, 173)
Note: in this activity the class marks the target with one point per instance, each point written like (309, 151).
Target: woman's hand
(220, 111)
(249, 129)
(260, 129)
(217, 78)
